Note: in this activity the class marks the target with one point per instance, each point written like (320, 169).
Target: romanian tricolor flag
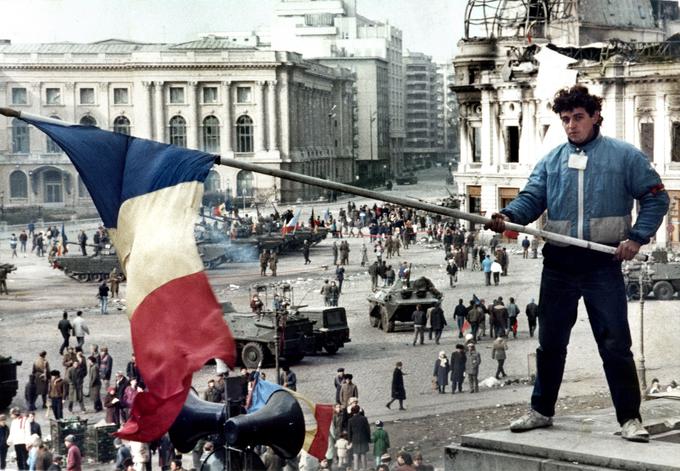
(292, 224)
(148, 194)
(318, 417)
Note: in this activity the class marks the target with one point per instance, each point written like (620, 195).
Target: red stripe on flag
(175, 331)
(323, 413)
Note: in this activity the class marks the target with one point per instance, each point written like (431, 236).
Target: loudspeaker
(280, 424)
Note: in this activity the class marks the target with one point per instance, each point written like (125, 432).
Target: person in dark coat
(359, 435)
(437, 321)
(111, 404)
(4, 433)
(65, 328)
(458, 359)
(305, 252)
(398, 391)
(441, 372)
(532, 315)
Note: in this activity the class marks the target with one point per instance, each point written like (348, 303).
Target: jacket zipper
(579, 224)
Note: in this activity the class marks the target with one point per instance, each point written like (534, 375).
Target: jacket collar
(588, 146)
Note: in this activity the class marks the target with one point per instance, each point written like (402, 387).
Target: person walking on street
(532, 314)
(440, 373)
(525, 247)
(65, 329)
(334, 249)
(486, 268)
(80, 328)
(73, 456)
(13, 242)
(419, 319)
(398, 391)
(459, 315)
(19, 433)
(103, 295)
(588, 186)
(498, 353)
(114, 282)
(273, 262)
(364, 255)
(472, 362)
(458, 359)
(452, 270)
(305, 252)
(437, 322)
(513, 312)
(380, 440)
(56, 394)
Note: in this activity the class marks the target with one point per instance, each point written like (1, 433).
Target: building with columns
(335, 33)
(218, 94)
(505, 119)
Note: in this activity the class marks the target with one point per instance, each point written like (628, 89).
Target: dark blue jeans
(605, 299)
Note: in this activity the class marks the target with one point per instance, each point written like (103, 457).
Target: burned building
(517, 53)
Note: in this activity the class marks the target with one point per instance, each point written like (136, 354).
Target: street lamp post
(244, 192)
(642, 372)
(372, 116)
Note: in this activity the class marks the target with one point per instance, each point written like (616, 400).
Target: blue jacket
(595, 203)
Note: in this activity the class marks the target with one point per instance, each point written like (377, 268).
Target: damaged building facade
(516, 54)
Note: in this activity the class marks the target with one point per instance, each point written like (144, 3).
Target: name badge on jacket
(578, 161)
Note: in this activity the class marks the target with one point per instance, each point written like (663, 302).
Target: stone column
(271, 114)
(662, 132)
(103, 101)
(145, 129)
(159, 112)
(487, 129)
(194, 121)
(259, 123)
(284, 113)
(228, 127)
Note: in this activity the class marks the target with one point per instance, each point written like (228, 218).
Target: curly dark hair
(577, 96)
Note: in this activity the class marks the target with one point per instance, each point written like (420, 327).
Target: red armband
(657, 189)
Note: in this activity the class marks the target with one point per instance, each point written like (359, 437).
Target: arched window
(211, 134)
(88, 120)
(244, 184)
(20, 143)
(121, 125)
(54, 192)
(52, 147)
(244, 134)
(178, 131)
(18, 185)
(212, 182)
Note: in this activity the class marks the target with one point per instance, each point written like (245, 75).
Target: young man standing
(588, 186)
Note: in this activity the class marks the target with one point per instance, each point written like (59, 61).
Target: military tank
(391, 307)
(8, 380)
(86, 268)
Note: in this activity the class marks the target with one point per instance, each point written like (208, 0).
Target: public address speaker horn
(279, 424)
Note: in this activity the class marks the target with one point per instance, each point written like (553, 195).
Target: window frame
(245, 138)
(24, 138)
(177, 88)
(179, 140)
(214, 138)
(24, 185)
(80, 96)
(217, 95)
(247, 88)
(127, 96)
(25, 90)
(59, 101)
(117, 127)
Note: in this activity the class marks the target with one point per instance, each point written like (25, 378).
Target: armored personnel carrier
(660, 279)
(391, 307)
(8, 380)
(88, 267)
(255, 335)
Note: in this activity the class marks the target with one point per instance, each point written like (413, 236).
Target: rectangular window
(19, 96)
(512, 144)
(244, 95)
(87, 96)
(675, 142)
(647, 140)
(476, 144)
(209, 94)
(177, 95)
(121, 96)
(53, 96)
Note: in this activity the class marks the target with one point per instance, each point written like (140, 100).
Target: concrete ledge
(575, 442)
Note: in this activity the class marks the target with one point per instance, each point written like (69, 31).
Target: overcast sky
(430, 26)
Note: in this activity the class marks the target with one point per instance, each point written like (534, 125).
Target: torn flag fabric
(148, 194)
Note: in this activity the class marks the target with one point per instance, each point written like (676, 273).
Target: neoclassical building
(218, 94)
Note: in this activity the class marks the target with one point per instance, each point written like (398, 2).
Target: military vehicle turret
(8, 380)
(391, 307)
